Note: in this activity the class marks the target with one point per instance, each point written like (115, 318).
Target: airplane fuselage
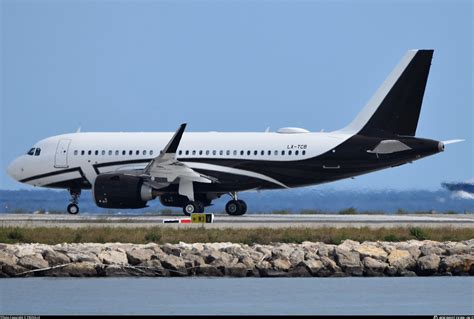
(239, 161)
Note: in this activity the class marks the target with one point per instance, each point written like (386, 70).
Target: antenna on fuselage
(78, 129)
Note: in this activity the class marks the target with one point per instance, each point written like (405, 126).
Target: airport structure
(190, 170)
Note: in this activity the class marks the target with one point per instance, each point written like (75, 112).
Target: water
(434, 295)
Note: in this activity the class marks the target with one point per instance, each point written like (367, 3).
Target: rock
(208, 270)
(401, 259)
(248, 262)
(297, 256)
(282, 251)
(371, 251)
(24, 250)
(237, 270)
(373, 267)
(428, 265)
(7, 259)
(326, 250)
(138, 256)
(407, 273)
(111, 257)
(349, 245)
(264, 250)
(330, 268)
(457, 265)
(13, 270)
(281, 264)
(349, 261)
(33, 262)
(153, 267)
(391, 271)
(175, 265)
(83, 257)
(192, 261)
(171, 250)
(431, 248)
(299, 271)
(55, 258)
(458, 249)
(81, 269)
(313, 266)
(117, 271)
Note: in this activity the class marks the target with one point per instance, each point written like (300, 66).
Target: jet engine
(116, 190)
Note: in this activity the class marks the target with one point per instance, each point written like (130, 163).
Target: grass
(161, 235)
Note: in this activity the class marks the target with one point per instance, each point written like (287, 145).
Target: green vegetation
(262, 235)
(348, 211)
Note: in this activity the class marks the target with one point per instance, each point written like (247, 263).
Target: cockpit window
(38, 151)
(31, 151)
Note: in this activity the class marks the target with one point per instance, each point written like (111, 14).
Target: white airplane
(189, 170)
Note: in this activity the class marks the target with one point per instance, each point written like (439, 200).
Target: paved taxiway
(246, 221)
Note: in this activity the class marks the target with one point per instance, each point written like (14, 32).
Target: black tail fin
(395, 107)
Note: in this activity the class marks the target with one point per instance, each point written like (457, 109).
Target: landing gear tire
(191, 208)
(72, 209)
(243, 206)
(236, 207)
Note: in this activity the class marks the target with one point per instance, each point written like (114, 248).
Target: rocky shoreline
(309, 259)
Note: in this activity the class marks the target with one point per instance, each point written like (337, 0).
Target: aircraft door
(60, 159)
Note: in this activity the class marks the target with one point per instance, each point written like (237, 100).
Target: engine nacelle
(115, 190)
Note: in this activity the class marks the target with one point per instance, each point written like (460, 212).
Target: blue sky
(232, 66)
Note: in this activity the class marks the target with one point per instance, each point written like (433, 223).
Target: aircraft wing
(165, 168)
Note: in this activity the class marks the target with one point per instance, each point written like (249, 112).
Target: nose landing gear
(73, 208)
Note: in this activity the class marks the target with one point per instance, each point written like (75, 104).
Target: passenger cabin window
(269, 152)
(89, 152)
(200, 152)
(75, 152)
(194, 152)
(151, 152)
(110, 153)
(289, 152)
(38, 151)
(96, 152)
(130, 152)
(235, 152)
(304, 152)
(124, 152)
(241, 152)
(207, 152)
(296, 152)
(180, 152)
(227, 152)
(137, 152)
(83, 152)
(103, 152)
(262, 153)
(221, 152)
(282, 153)
(117, 152)
(214, 152)
(255, 152)
(187, 152)
(31, 151)
(275, 153)
(144, 152)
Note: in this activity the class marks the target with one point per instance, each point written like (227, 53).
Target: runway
(246, 221)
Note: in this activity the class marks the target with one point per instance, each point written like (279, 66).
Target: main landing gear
(73, 208)
(192, 207)
(235, 207)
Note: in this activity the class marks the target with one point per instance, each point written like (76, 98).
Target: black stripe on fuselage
(54, 173)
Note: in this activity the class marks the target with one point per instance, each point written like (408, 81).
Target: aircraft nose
(14, 169)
